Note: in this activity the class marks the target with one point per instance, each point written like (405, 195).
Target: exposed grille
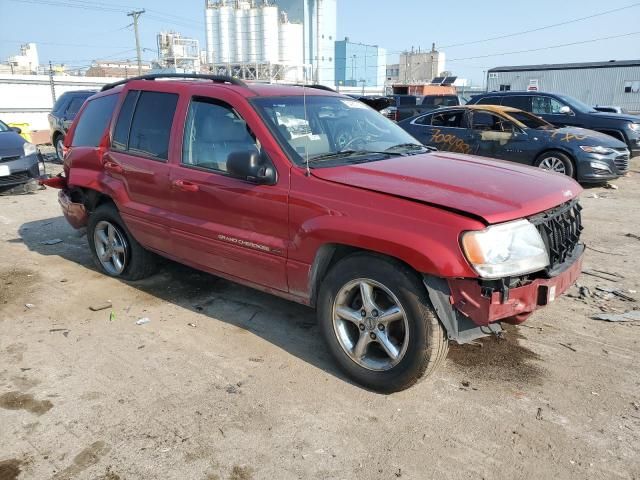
(8, 159)
(14, 178)
(560, 229)
(622, 160)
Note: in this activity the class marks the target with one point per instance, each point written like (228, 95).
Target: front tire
(555, 161)
(59, 146)
(114, 250)
(378, 323)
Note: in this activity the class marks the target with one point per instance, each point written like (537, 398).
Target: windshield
(334, 128)
(4, 127)
(529, 120)
(576, 104)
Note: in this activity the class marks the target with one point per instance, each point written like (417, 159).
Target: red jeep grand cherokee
(317, 198)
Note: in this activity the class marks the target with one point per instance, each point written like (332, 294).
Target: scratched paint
(449, 142)
(567, 137)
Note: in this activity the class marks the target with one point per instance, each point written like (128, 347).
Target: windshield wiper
(349, 153)
(414, 147)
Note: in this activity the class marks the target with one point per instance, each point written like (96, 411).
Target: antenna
(306, 119)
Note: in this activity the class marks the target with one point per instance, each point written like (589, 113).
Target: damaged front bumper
(470, 310)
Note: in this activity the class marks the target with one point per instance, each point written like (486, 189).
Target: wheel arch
(564, 151)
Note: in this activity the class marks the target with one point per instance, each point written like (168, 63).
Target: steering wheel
(351, 143)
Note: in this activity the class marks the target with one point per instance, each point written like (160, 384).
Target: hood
(11, 144)
(616, 116)
(581, 136)
(492, 190)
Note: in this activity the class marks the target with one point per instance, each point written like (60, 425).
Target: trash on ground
(632, 235)
(112, 316)
(539, 414)
(29, 305)
(100, 306)
(192, 325)
(617, 292)
(631, 316)
(611, 186)
(142, 321)
(568, 345)
(612, 277)
(52, 241)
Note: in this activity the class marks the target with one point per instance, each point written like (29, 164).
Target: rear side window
(522, 102)
(94, 121)
(74, 105)
(448, 119)
(150, 116)
(489, 101)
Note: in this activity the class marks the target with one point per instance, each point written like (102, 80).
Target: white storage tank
(254, 35)
(241, 52)
(226, 27)
(291, 45)
(208, 21)
(269, 18)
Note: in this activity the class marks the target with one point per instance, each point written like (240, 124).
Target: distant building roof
(567, 66)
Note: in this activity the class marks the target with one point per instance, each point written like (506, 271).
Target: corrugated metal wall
(594, 86)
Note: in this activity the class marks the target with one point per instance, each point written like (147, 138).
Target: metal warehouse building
(595, 83)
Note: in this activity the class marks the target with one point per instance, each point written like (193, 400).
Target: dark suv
(62, 115)
(564, 111)
(317, 198)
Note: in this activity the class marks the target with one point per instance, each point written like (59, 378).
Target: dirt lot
(228, 383)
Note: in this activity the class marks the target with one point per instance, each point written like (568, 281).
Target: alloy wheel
(370, 324)
(60, 149)
(553, 164)
(111, 247)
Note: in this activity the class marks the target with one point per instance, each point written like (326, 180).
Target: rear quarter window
(94, 121)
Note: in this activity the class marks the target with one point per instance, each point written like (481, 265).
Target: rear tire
(555, 161)
(114, 250)
(397, 340)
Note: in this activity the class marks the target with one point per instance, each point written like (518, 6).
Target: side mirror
(17, 130)
(565, 110)
(251, 166)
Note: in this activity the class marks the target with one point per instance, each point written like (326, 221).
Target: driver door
(496, 137)
(222, 223)
(549, 109)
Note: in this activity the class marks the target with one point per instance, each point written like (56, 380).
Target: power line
(545, 48)
(499, 37)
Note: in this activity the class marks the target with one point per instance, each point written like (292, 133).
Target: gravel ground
(228, 383)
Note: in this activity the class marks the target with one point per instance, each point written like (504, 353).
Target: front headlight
(599, 150)
(29, 149)
(635, 127)
(504, 250)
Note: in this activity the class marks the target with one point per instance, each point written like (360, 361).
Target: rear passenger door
(138, 161)
(222, 223)
(448, 131)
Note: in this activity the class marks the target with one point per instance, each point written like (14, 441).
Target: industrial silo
(269, 20)
(226, 27)
(241, 38)
(208, 21)
(254, 34)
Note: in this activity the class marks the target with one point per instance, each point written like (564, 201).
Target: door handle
(185, 185)
(113, 167)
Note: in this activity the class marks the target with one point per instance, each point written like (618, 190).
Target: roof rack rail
(194, 76)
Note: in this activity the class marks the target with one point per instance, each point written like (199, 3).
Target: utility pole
(135, 14)
(52, 83)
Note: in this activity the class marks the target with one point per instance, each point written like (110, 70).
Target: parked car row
(315, 197)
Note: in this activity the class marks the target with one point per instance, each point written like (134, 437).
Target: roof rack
(193, 76)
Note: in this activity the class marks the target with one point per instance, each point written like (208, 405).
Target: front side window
(489, 101)
(212, 132)
(546, 106)
(485, 121)
(323, 127)
(94, 121)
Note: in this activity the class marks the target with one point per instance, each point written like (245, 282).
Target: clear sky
(99, 29)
